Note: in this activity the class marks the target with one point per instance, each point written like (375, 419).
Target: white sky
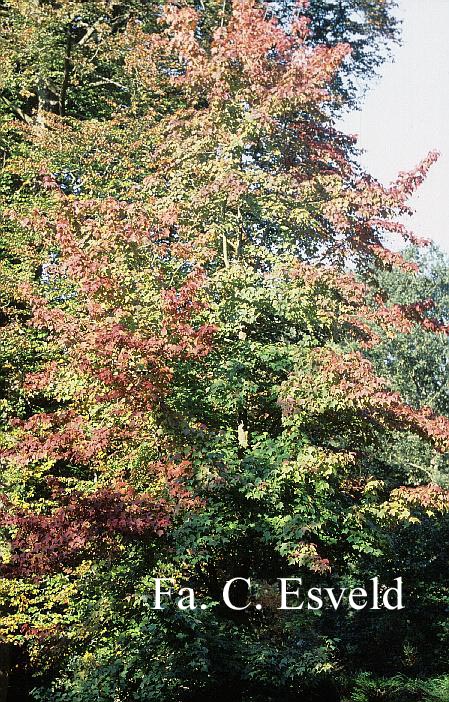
(406, 114)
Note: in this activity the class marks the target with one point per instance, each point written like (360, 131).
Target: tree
(203, 406)
(370, 28)
(416, 362)
(68, 57)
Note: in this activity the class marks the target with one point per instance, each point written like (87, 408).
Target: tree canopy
(198, 305)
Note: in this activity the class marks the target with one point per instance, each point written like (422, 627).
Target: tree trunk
(48, 101)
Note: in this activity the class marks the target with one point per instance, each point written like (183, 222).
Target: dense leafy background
(211, 364)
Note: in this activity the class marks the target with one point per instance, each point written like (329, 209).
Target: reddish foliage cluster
(256, 71)
(117, 348)
(269, 64)
(63, 435)
(428, 496)
(417, 311)
(347, 382)
(358, 214)
(175, 475)
(84, 525)
(362, 317)
(352, 379)
(307, 554)
(400, 229)
(408, 181)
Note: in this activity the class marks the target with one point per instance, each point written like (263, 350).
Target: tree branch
(17, 111)
(85, 38)
(109, 81)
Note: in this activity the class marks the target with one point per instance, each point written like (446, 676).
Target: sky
(405, 114)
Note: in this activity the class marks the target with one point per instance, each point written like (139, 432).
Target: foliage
(416, 361)
(201, 298)
(68, 57)
(368, 689)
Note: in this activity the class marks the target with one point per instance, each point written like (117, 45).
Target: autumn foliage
(190, 290)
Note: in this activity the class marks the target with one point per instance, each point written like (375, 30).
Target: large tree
(68, 57)
(194, 397)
